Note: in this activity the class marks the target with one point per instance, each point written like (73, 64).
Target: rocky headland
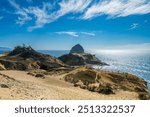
(28, 74)
(26, 58)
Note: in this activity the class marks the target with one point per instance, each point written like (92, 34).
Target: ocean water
(55, 53)
(3, 51)
(134, 63)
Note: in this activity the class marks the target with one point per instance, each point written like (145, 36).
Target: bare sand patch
(24, 86)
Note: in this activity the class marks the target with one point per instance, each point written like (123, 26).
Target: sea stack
(77, 49)
(77, 57)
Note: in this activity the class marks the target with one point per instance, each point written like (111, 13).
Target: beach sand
(22, 86)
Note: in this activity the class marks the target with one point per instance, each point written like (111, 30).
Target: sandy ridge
(23, 86)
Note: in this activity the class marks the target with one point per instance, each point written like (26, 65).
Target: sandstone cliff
(26, 58)
(107, 82)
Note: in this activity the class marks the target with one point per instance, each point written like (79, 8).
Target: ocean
(134, 63)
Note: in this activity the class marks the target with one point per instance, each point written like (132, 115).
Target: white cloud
(70, 6)
(74, 34)
(44, 16)
(88, 33)
(118, 8)
(75, 6)
(48, 13)
(41, 15)
(134, 26)
(13, 3)
(23, 16)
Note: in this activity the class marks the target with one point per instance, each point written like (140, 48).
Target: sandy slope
(23, 86)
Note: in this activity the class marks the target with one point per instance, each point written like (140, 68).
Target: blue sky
(60, 24)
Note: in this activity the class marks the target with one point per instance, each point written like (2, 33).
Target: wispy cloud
(86, 9)
(66, 6)
(44, 16)
(88, 33)
(41, 15)
(75, 6)
(74, 34)
(134, 26)
(23, 16)
(118, 8)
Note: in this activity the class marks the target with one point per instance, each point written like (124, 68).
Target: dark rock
(31, 73)
(4, 86)
(106, 90)
(144, 96)
(77, 49)
(39, 75)
(77, 57)
(83, 87)
(24, 52)
(72, 60)
(80, 59)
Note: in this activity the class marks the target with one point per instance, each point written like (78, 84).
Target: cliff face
(26, 58)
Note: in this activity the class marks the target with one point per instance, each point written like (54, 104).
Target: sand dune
(24, 86)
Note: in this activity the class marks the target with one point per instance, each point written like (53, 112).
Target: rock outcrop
(26, 58)
(107, 82)
(77, 57)
(77, 49)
